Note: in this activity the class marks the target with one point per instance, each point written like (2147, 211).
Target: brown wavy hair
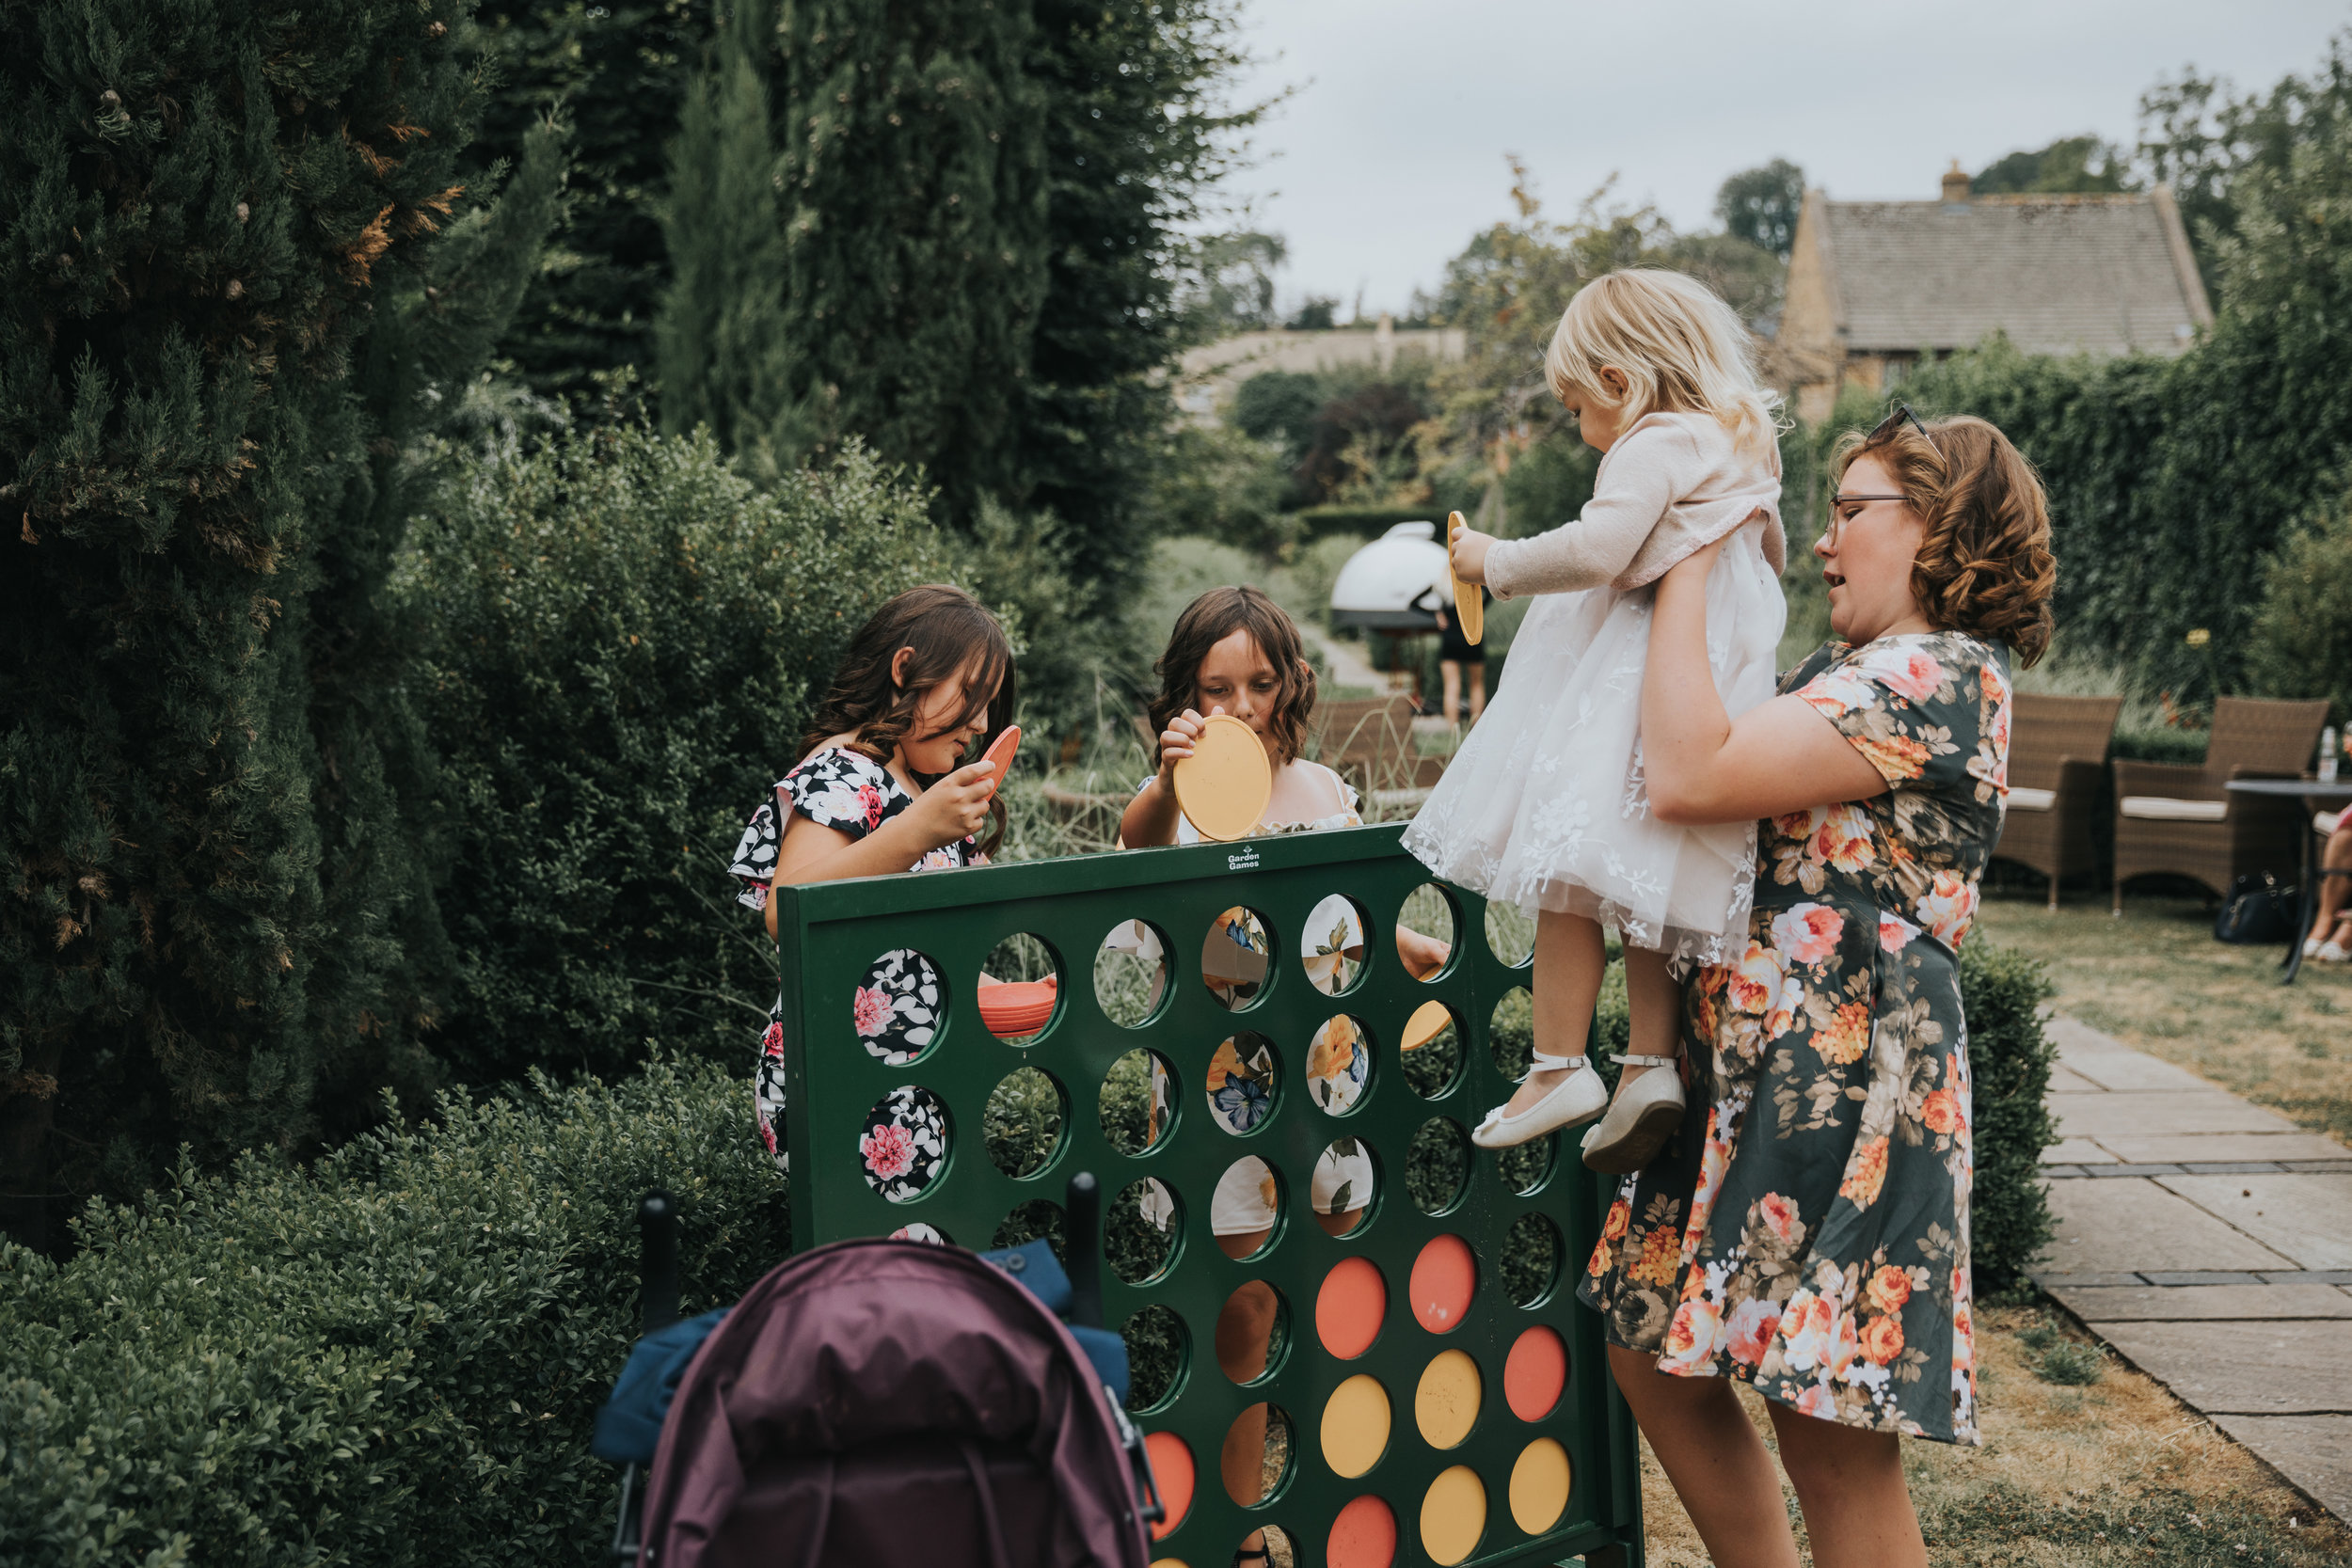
(949, 631)
(1985, 566)
(1209, 620)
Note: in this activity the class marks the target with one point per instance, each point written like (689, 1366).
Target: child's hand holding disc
(1224, 784)
(1470, 603)
(1000, 751)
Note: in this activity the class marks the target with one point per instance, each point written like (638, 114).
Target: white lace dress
(1544, 806)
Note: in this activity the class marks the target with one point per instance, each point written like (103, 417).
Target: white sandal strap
(1639, 1058)
(1540, 1061)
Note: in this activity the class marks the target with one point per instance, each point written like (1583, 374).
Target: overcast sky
(1389, 155)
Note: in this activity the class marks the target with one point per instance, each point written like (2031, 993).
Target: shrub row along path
(2208, 1241)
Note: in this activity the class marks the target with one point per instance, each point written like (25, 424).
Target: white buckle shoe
(1580, 1097)
(1640, 1120)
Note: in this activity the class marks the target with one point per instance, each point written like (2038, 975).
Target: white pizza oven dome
(1387, 586)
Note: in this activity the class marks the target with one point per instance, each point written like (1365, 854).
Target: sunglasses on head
(1894, 420)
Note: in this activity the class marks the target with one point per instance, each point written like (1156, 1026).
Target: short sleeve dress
(1810, 1235)
(896, 1001)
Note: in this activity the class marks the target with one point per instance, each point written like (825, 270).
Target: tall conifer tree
(214, 924)
(723, 349)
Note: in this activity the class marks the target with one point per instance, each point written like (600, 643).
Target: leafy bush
(622, 639)
(2001, 992)
(390, 1357)
(2302, 643)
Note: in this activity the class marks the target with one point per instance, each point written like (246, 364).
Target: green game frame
(829, 933)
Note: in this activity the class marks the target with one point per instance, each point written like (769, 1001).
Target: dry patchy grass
(2116, 1474)
(2157, 980)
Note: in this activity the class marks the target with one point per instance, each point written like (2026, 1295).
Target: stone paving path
(2210, 1241)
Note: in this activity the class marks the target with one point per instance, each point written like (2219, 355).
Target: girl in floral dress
(1809, 1235)
(878, 790)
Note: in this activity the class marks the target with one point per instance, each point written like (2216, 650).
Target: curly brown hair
(1985, 566)
(949, 631)
(1209, 620)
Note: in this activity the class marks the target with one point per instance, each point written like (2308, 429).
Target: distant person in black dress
(1457, 656)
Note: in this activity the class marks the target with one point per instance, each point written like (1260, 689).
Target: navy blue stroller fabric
(629, 1428)
(1034, 1266)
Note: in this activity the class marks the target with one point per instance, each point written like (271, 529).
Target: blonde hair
(1681, 348)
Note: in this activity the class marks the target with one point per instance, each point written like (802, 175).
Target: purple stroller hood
(882, 1402)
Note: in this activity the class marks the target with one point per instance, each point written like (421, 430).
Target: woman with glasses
(1809, 1235)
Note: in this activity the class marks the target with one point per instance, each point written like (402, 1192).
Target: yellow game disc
(1470, 605)
(1428, 1021)
(1224, 785)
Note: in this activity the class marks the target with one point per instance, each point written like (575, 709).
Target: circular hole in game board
(1331, 947)
(1363, 1535)
(1131, 974)
(1446, 1400)
(1246, 1212)
(1243, 1081)
(897, 1006)
(1235, 957)
(1019, 987)
(1453, 1516)
(1022, 1126)
(1035, 1221)
(930, 1235)
(1253, 1329)
(1525, 1167)
(904, 1143)
(1510, 934)
(1158, 1349)
(1425, 929)
(1511, 1033)
(1256, 1454)
(1539, 1485)
(1349, 1306)
(1430, 1049)
(1346, 1180)
(1529, 1261)
(1137, 1103)
(1437, 1164)
(1173, 1476)
(1444, 1281)
(1278, 1545)
(1139, 1231)
(1535, 1373)
(1338, 1064)
(1356, 1426)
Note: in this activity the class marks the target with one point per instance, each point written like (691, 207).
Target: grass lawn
(2156, 979)
(2114, 1473)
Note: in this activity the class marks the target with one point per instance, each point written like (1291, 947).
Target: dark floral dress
(1808, 1232)
(897, 1003)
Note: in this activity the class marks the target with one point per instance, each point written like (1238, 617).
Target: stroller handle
(657, 1267)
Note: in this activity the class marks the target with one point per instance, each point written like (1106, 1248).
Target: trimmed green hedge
(2001, 992)
(392, 1357)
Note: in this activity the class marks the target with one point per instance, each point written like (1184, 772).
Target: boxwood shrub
(390, 1357)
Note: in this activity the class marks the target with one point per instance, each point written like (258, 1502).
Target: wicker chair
(1370, 744)
(2181, 819)
(2057, 747)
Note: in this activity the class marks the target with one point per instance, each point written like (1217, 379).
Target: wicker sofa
(2183, 820)
(1370, 744)
(2057, 747)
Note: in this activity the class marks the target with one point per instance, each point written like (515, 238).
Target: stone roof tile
(2060, 275)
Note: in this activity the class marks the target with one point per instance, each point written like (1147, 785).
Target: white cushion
(2159, 808)
(2022, 798)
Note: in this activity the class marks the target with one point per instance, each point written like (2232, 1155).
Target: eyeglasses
(1895, 416)
(1885, 427)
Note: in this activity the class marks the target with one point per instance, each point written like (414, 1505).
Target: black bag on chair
(2258, 912)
